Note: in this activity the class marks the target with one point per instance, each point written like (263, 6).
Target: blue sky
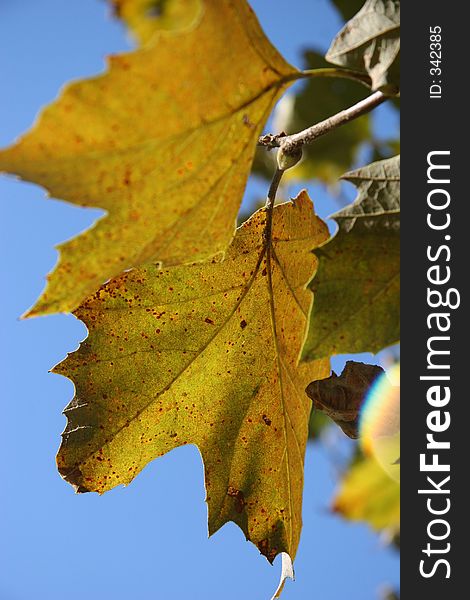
(148, 540)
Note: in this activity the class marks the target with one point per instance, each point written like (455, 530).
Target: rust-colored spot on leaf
(239, 498)
(266, 420)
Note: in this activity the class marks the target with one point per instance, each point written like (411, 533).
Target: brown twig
(291, 143)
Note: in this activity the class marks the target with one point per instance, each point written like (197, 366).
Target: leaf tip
(302, 198)
(38, 309)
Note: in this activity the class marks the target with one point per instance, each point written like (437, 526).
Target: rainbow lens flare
(379, 424)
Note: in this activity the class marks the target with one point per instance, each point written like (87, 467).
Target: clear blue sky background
(149, 540)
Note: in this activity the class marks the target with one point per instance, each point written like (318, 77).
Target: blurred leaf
(382, 149)
(389, 594)
(341, 397)
(205, 354)
(150, 141)
(357, 286)
(318, 422)
(145, 17)
(348, 8)
(368, 494)
(330, 155)
(395, 541)
(370, 42)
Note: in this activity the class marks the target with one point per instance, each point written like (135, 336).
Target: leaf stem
(339, 74)
(276, 180)
(291, 143)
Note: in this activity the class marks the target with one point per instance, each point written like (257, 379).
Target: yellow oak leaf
(205, 354)
(163, 142)
(145, 17)
(367, 493)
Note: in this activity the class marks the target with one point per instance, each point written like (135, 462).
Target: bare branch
(291, 143)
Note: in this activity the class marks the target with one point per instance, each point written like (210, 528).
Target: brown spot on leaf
(239, 498)
(247, 122)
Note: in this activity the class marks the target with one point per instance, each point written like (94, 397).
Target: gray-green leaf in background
(378, 186)
(370, 42)
(357, 286)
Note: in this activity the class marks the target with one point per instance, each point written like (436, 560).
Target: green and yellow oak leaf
(368, 494)
(163, 142)
(205, 354)
(145, 17)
